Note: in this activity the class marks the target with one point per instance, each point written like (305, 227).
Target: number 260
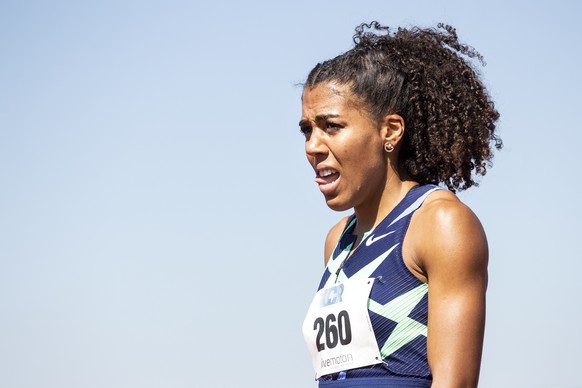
(342, 331)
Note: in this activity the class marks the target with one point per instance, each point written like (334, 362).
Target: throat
(370, 213)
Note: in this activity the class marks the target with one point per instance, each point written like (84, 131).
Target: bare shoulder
(443, 206)
(445, 233)
(333, 237)
(448, 248)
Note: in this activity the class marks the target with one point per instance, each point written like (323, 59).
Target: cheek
(369, 169)
(365, 155)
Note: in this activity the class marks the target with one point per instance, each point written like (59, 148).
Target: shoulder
(445, 234)
(450, 248)
(333, 237)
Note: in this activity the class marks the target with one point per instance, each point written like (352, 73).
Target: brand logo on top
(372, 239)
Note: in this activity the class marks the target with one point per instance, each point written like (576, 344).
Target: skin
(445, 245)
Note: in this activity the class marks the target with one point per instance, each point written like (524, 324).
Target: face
(344, 147)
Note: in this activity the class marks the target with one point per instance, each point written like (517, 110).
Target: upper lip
(320, 169)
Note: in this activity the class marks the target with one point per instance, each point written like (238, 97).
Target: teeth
(324, 173)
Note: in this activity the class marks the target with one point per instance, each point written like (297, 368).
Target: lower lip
(328, 189)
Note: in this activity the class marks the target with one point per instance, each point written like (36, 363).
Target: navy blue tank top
(398, 303)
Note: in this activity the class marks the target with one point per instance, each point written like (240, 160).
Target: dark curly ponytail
(425, 76)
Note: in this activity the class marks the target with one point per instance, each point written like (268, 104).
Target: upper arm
(453, 255)
(332, 238)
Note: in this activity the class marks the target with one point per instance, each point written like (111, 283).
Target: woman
(402, 299)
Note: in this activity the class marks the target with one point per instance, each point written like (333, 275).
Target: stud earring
(388, 147)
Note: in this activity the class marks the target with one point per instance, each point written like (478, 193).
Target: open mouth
(327, 180)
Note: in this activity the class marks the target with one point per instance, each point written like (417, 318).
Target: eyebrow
(323, 117)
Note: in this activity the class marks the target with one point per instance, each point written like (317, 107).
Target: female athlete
(393, 128)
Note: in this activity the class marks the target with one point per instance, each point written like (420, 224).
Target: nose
(315, 144)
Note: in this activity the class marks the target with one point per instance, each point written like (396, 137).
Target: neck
(371, 213)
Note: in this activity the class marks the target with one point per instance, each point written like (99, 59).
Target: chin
(337, 205)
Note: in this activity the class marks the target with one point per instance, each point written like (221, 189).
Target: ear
(392, 127)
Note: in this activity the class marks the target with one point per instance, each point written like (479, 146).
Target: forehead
(331, 100)
(326, 96)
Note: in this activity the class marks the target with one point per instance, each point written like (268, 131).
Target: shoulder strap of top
(414, 201)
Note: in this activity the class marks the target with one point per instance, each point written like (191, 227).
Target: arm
(332, 238)
(452, 254)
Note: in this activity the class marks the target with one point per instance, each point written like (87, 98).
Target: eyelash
(328, 126)
(305, 130)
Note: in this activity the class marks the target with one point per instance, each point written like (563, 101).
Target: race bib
(337, 328)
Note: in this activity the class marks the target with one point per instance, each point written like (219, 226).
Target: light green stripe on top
(397, 310)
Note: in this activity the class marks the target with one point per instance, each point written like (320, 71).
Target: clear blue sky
(159, 224)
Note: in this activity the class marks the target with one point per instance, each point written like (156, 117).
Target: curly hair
(425, 76)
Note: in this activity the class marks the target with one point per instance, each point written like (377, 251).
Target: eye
(331, 125)
(305, 129)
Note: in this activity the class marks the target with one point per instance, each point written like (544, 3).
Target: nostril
(314, 147)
